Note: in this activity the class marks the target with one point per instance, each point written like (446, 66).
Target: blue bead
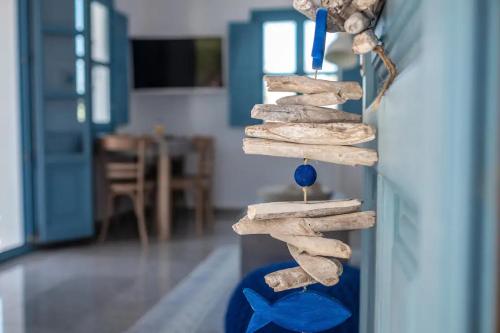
(305, 175)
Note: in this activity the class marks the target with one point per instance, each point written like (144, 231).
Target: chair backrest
(124, 158)
(204, 146)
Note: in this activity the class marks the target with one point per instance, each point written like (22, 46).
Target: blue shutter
(62, 141)
(245, 71)
(120, 83)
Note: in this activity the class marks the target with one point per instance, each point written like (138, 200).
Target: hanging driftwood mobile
(302, 126)
(316, 133)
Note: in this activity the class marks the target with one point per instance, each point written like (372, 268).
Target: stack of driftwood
(300, 126)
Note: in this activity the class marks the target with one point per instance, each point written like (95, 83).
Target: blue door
(245, 71)
(61, 119)
(429, 264)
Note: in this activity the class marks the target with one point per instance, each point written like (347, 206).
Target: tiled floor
(117, 286)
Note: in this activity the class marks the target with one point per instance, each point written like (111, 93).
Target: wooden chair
(200, 183)
(124, 159)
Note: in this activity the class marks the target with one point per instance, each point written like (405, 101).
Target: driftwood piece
(321, 134)
(363, 4)
(308, 9)
(287, 226)
(356, 23)
(317, 246)
(305, 226)
(364, 42)
(349, 221)
(324, 270)
(307, 85)
(289, 278)
(320, 99)
(298, 209)
(333, 154)
(302, 114)
(340, 10)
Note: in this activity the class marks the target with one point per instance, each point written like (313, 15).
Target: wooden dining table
(169, 147)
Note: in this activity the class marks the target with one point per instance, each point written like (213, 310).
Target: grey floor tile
(109, 287)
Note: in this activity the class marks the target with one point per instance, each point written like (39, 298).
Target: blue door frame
(61, 116)
(27, 35)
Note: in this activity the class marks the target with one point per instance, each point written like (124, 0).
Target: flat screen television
(174, 63)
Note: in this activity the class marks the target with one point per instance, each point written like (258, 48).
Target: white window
(101, 82)
(281, 57)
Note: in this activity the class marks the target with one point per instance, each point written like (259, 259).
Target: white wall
(238, 176)
(11, 214)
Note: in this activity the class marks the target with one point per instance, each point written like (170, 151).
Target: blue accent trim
(14, 253)
(318, 50)
(26, 128)
(59, 31)
(300, 46)
(37, 112)
(486, 140)
(245, 71)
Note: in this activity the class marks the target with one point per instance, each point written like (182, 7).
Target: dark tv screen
(170, 63)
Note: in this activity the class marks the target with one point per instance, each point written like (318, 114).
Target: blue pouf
(239, 311)
(305, 175)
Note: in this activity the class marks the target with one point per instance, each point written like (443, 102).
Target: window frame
(276, 15)
(263, 16)
(110, 126)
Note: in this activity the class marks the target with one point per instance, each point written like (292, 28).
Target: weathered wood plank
(302, 114)
(305, 226)
(364, 4)
(356, 23)
(364, 42)
(307, 133)
(346, 155)
(308, 8)
(320, 99)
(307, 85)
(300, 209)
(287, 226)
(319, 269)
(290, 278)
(317, 246)
(324, 270)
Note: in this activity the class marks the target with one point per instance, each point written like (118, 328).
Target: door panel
(62, 138)
(421, 263)
(398, 183)
(57, 13)
(68, 218)
(397, 239)
(59, 64)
